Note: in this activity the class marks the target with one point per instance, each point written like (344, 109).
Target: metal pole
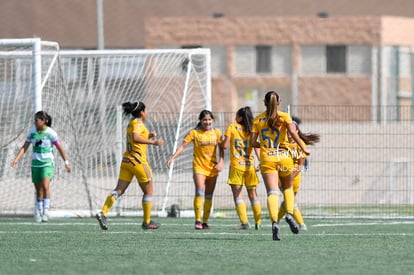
(37, 75)
(100, 24)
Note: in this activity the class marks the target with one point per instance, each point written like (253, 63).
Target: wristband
(67, 162)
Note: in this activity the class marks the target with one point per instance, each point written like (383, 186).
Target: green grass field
(78, 246)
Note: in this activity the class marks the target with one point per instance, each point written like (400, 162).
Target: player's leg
(271, 182)
(270, 178)
(235, 181)
(147, 189)
(289, 200)
(119, 190)
(125, 177)
(144, 178)
(46, 199)
(210, 184)
(37, 182)
(240, 206)
(282, 211)
(47, 175)
(110, 201)
(251, 183)
(297, 214)
(285, 169)
(199, 184)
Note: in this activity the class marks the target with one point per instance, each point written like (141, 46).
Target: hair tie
(136, 107)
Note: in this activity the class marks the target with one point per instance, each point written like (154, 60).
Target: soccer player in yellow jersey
(299, 159)
(270, 134)
(134, 164)
(206, 141)
(242, 168)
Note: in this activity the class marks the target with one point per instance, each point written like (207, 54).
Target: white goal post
(83, 91)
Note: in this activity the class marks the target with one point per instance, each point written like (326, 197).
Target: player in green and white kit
(42, 137)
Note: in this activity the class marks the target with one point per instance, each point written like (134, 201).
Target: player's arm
(226, 142)
(220, 163)
(20, 154)
(140, 139)
(253, 140)
(62, 153)
(298, 169)
(292, 131)
(179, 150)
(257, 153)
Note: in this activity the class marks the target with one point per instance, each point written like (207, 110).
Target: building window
(218, 60)
(191, 46)
(336, 59)
(263, 59)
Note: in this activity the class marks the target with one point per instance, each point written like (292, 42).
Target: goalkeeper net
(83, 92)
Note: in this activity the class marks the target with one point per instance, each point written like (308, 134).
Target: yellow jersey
(205, 147)
(241, 153)
(296, 152)
(272, 142)
(136, 151)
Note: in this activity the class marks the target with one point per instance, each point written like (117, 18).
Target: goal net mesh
(83, 92)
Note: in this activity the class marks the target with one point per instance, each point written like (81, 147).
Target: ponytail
(247, 118)
(271, 102)
(134, 109)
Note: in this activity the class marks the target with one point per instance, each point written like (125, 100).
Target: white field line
(198, 233)
(363, 223)
(128, 222)
(264, 230)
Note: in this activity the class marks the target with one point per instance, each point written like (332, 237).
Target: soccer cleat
(205, 226)
(292, 224)
(45, 217)
(150, 225)
(37, 218)
(275, 231)
(198, 226)
(102, 221)
(258, 226)
(243, 226)
(303, 227)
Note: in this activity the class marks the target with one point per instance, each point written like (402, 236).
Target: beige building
(363, 60)
(315, 53)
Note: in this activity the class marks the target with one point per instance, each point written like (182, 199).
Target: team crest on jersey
(208, 140)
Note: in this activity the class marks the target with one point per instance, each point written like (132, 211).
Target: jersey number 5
(267, 135)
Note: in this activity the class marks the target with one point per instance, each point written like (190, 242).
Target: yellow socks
(208, 202)
(109, 202)
(297, 215)
(282, 212)
(289, 198)
(257, 211)
(198, 207)
(273, 205)
(241, 211)
(147, 206)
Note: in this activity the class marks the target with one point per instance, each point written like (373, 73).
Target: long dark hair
(247, 118)
(202, 115)
(308, 138)
(271, 101)
(45, 117)
(134, 108)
